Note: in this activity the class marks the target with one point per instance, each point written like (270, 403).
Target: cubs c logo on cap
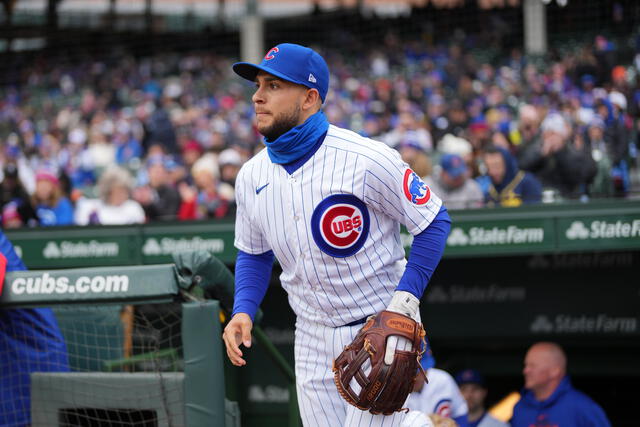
(340, 225)
(415, 190)
(270, 54)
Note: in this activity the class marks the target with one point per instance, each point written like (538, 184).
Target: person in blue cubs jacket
(30, 341)
(548, 398)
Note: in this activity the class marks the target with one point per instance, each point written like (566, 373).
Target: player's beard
(282, 123)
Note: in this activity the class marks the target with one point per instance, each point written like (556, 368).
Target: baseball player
(441, 396)
(474, 390)
(328, 204)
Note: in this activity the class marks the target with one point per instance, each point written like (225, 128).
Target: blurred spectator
(230, 162)
(602, 184)
(176, 171)
(436, 111)
(458, 119)
(508, 186)
(499, 139)
(619, 79)
(15, 201)
(528, 129)
(474, 391)
(77, 160)
(559, 163)
(159, 130)
(115, 205)
(450, 144)
(191, 152)
(11, 217)
(128, 147)
(479, 134)
(11, 189)
(548, 397)
(617, 138)
(246, 150)
(413, 153)
(454, 185)
(604, 53)
(409, 128)
(158, 197)
(51, 207)
(587, 86)
(100, 150)
(441, 396)
(205, 200)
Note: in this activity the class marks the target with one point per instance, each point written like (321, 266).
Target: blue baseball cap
(291, 62)
(469, 376)
(588, 78)
(453, 164)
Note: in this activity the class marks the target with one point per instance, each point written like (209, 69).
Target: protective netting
(114, 366)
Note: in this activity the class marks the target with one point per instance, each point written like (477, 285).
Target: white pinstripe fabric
(440, 396)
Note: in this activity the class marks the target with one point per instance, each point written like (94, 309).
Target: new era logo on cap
(291, 62)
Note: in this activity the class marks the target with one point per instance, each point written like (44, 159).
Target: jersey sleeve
(14, 263)
(391, 187)
(459, 408)
(248, 234)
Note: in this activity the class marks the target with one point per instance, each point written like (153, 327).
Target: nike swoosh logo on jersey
(259, 189)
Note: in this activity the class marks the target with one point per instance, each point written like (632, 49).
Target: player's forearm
(426, 251)
(252, 276)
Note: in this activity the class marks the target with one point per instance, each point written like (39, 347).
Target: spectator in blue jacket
(508, 186)
(51, 205)
(548, 398)
(30, 341)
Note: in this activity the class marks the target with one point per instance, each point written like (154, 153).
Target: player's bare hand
(237, 331)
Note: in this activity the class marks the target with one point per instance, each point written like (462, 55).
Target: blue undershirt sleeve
(426, 251)
(252, 276)
(462, 421)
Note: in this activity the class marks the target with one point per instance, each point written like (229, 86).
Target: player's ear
(312, 99)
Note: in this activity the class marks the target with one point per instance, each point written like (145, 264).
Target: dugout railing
(165, 384)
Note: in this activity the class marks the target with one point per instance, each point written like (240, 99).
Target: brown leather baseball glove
(383, 388)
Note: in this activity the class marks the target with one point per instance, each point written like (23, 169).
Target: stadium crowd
(120, 140)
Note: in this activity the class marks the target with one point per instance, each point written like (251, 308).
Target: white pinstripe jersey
(440, 396)
(333, 224)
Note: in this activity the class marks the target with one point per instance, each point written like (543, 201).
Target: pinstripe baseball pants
(318, 399)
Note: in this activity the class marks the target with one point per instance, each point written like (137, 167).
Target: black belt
(357, 322)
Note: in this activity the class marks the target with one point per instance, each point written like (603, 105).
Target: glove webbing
(376, 394)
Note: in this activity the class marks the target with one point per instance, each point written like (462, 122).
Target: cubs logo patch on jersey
(340, 225)
(443, 408)
(415, 190)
